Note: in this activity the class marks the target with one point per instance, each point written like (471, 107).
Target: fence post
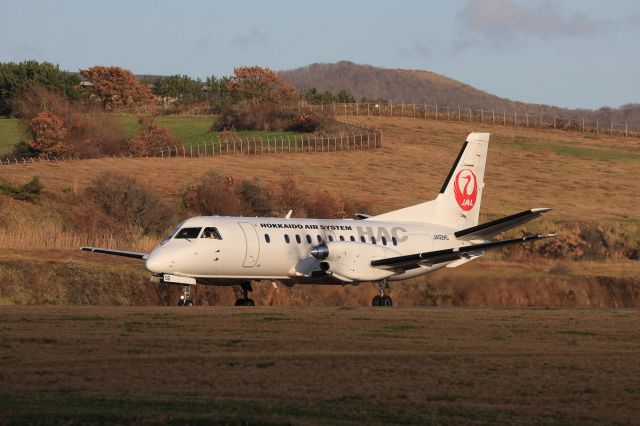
(469, 115)
(402, 109)
(459, 113)
(611, 128)
(493, 116)
(345, 109)
(391, 106)
(582, 124)
(504, 118)
(626, 129)
(554, 121)
(481, 115)
(368, 104)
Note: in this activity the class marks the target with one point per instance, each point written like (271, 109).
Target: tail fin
(458, 203)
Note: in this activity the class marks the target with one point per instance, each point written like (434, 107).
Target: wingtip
(548, 235)
(541, 210)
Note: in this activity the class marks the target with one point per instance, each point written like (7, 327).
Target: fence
(489, 116)
(360, 138)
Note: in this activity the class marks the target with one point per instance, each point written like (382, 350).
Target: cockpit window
(171, 234)
(211, 233)
(188, 233)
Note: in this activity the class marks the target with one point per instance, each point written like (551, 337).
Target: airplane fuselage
(251, 248)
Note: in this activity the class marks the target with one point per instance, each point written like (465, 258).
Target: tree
(48, 133)
(117, 88)
(261, 85)
(182, 87)
(151, 138)
(15, 78)
(344, 97)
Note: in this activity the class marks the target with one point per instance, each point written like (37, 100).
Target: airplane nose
(156, 264)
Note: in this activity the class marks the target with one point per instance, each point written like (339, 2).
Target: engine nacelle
(351, 261)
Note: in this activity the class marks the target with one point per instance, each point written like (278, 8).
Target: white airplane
(401, 244)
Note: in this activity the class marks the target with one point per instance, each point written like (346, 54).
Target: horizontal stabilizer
(130, 254)
(489, 229)
(430, 258)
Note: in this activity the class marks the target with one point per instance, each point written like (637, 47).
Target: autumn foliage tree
(48, 135)
(261, 85)
(117, 88)
(151, 138)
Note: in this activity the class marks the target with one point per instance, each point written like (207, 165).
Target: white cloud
(507, 22)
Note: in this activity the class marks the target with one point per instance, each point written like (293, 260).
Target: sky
(576, 54)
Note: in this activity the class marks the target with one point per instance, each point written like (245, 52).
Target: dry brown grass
(582, 177)
(319, 366)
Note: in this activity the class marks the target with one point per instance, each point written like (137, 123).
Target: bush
(151, 138)
(30, 191)
(48, 133)
(256, 198)
(267, 117)
(130, 203)
(212, 194)
(90, 134)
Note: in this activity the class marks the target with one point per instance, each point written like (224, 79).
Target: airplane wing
(430, 258)
(131, 254)
(487, 230)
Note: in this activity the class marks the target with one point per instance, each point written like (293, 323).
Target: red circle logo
(465, 188)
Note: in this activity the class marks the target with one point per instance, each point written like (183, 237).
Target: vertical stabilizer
(458, 203)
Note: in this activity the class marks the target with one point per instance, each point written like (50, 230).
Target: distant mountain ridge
(416, 86)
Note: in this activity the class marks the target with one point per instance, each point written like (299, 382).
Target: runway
(318, 365)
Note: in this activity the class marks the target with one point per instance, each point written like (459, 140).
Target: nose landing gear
(245, 301)
(185, 297)
(383, 299)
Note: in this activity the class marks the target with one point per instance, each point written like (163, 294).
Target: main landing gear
(245, 301)
(382, 299)
(185, 297)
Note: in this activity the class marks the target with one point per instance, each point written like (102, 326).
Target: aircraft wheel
(188, 302)
(180, 302)
(239, 302)
(376, 301)
(386, 301)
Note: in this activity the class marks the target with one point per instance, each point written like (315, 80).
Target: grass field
(10, 134)
(587, 180)
(189, 129)
(68, 365)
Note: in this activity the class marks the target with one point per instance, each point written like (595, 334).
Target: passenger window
(394, 241)
(211, 233)
(384, 241)
(319, 239)
(298, 240)
(267, 238)
(309, 239)
(363, 239)
(341, 238)
(330, 237)
(187, 233)
(373, 240)
(286, 238)
(352, 238)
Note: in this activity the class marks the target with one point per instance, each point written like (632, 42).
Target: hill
(584, 177)
(416, 86)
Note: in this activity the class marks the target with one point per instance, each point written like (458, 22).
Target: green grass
(190, 130)
(572, 149)
(10, 134)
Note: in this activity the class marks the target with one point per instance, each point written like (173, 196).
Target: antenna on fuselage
(288, 216)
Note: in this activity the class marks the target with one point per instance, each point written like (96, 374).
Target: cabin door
(252, 244)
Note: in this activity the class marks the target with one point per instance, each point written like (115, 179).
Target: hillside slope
(416, 86)
(585, 178)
